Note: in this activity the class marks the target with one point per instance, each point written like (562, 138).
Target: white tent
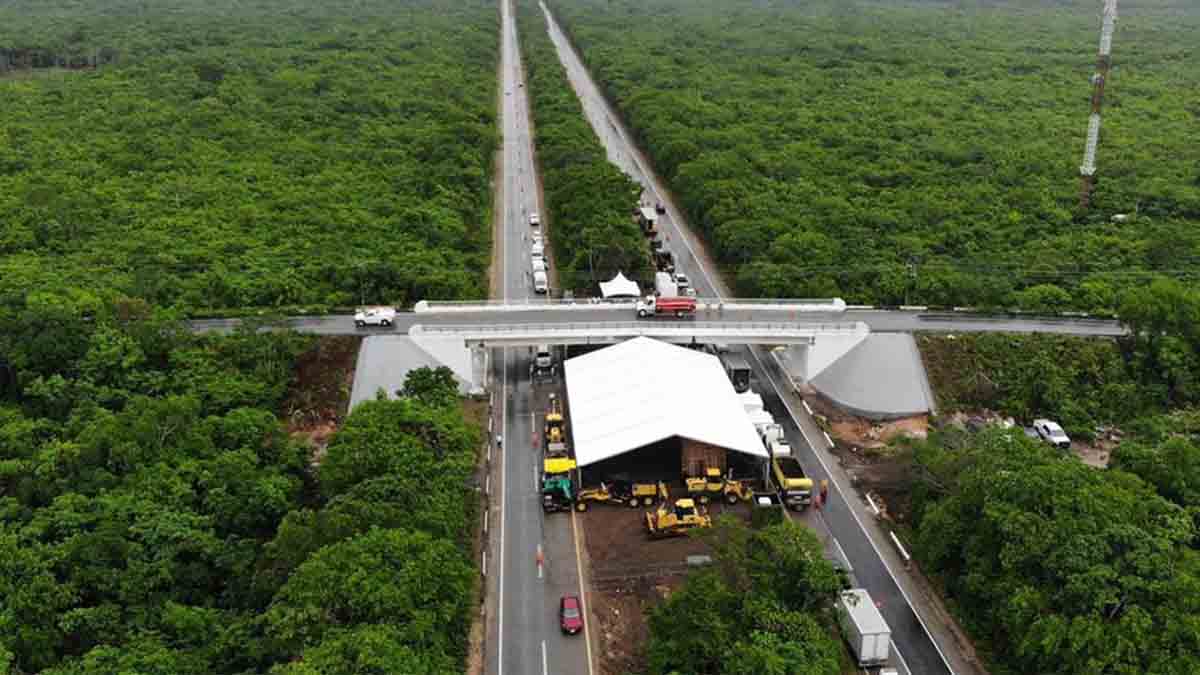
(643, 391)
(619, 287)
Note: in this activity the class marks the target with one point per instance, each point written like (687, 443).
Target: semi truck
(738, 370)
(652, 306)
(864, 627)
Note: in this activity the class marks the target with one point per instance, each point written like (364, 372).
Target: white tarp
(642, 391)
(619, 287)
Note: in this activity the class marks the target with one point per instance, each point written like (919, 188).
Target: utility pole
(1087, 170)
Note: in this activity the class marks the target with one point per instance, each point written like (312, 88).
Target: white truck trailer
(864, 627)
(665, 286)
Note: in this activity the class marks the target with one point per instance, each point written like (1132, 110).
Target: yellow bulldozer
(676, 520)
(713, 484)
(622, 492)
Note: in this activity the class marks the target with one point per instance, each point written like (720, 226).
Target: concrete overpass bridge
(464, 348)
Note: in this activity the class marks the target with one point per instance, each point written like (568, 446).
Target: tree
(435, 387)
(407, 580)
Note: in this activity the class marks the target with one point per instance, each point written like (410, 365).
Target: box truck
(864, 627)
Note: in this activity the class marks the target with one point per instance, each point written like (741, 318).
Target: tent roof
(619, 286)
(643, 391)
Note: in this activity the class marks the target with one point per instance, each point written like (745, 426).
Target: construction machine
(676, 520)
(555, 429)
(558, 491)
(713, 484)
(622, 492)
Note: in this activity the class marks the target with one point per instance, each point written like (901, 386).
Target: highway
(915, 651)
(523, 636)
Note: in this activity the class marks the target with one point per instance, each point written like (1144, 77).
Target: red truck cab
(679, 306)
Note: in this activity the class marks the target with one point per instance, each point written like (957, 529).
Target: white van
(540, 285)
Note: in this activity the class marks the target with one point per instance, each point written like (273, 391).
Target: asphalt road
(879, 320)
(523, 632)
(914, 650)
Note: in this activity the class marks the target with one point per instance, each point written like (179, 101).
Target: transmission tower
(1087, 170)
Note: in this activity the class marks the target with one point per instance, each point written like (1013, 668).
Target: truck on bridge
(679, 306)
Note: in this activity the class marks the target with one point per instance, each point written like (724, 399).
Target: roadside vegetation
(229, 155)
(923, 152)
(155, 516)
(1058, 567)
(763, 608)
(1080, 382)
(588, 199)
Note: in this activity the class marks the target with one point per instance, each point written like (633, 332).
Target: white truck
(665, 286)
(684, 285)
(374, 316)
(864, 627)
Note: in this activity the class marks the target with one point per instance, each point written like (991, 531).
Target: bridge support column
(479, 369)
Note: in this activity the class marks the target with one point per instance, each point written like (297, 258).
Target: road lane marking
(545, 668)
(833, 479)
(503, 511)
(587, 640)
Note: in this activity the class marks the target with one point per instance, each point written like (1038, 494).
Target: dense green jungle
(222, 155)
(919, 152)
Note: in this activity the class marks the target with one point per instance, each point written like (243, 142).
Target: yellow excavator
(676, 520)
(713, 484)
(622, 492)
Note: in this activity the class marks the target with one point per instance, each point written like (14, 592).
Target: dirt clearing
(630, 574)
(318, 399)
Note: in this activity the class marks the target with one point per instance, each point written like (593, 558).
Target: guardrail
(648, 326)
(819, 305)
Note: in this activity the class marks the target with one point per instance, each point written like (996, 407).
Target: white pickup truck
(375, 316)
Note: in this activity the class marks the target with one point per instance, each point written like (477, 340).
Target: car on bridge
(375, 316)
(570, 616)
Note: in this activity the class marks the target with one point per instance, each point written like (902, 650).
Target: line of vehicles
(673, 291)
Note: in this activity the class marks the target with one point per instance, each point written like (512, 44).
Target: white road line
(849, 506)
(503, 513)
(539, 560)
(545, 668)
(587, 640)
(901, 657)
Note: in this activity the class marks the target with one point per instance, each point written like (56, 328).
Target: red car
(569, 615)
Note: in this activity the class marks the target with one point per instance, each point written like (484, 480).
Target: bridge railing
(833, 305)
(732, 328)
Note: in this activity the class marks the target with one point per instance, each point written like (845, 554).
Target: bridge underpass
(464, 348)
